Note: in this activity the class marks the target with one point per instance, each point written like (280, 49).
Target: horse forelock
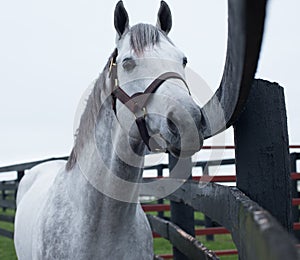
(143, 36)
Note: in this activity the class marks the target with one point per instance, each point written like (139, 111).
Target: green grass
(162, 246)
(7, 249)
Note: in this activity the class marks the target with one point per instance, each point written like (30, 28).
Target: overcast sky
(52, 50)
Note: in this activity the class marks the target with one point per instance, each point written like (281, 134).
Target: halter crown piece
(137, 103)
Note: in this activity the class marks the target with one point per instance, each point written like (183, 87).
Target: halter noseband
(137, 102)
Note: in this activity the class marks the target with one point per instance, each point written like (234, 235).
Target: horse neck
(112, 171)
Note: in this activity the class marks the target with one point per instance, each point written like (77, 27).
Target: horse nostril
(172, 127)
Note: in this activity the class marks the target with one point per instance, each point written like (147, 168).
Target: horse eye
(184, 61)
(128, 64)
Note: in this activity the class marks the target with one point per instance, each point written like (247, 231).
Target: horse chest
(69, 230)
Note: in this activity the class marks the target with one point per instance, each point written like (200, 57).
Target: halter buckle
(116, 83)
(111, 65)
(144, 110)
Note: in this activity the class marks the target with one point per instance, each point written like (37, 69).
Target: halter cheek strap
(137, 102)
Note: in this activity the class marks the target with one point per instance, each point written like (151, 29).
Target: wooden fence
(256, 233)
(233, 216)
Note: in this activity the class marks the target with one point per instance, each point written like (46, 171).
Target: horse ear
(164, 19)
(121, 19)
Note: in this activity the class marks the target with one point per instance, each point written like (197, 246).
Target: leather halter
(137, 102)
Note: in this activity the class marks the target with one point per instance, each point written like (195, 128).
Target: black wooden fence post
(295, 193)
(207, 220)
(262, 152)
(3, 195)
(20, 175)
(181, 215)
(160, 201)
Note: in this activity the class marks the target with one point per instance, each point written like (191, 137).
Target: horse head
(152, 99)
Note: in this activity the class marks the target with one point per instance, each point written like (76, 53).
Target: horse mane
(89, 116)
(141, 37)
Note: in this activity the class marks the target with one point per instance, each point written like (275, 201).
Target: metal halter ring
(144, 110)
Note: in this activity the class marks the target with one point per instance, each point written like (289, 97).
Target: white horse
(88, 207)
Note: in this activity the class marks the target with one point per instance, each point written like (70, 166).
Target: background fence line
(8, 192)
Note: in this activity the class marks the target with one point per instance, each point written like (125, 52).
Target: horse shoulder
(31, 196)
(39, 178)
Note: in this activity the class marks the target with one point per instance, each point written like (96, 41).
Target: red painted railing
(231, 147)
